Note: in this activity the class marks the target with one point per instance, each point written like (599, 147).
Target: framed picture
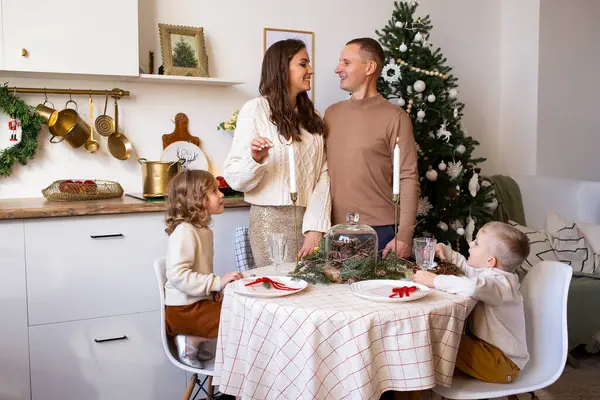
(272, 35)
(183, 51)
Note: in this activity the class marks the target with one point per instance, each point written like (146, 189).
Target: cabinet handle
(24, 52)
(110, 339)
(113, 235)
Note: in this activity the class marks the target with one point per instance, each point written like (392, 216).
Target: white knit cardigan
(268, 183)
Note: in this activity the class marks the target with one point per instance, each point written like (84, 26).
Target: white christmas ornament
(455, 112)
(399, 24)
(431, 175)
(456, 225)
(460, 149)
(421, 115)
(460, 231)
(418, 37)
(400, 101)
(470, 229)
(423, 207)
(409, 89)
(474, 185)
(419, 86)
(452, 93)
(442, 166)
(403, 48)
(431, 98)
(391, 73)
(492, 205)
(443, 134)
(455, 169)
(443, 226)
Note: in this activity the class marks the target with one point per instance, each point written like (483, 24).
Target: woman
(258, 162)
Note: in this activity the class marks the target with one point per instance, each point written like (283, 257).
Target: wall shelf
(185, 80)
(142, 78)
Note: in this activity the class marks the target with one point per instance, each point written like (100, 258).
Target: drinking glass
(277, 251)
(424, 251)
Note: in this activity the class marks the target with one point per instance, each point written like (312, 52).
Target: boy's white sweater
(498, 317)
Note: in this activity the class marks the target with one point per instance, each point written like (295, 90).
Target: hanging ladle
(91, 145)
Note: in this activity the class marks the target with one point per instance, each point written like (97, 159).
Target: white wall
(568, 127)
(519, 87)
(466, 30)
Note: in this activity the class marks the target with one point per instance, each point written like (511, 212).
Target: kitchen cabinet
(115, 358)
(70, 36)
(14, 347)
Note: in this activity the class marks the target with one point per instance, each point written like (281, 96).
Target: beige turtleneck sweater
(361, 135)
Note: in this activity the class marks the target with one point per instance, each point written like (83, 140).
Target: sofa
(567, 214)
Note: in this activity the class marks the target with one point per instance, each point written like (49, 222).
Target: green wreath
(30, 128)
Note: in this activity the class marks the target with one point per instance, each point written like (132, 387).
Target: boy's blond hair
(510, 247)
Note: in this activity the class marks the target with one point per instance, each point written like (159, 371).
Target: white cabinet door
(14, 348)
(93, 266)
(78, 360)
(71, 36)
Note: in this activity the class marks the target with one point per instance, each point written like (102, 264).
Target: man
(361, 134)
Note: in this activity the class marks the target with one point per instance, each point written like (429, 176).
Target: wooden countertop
(42, 208)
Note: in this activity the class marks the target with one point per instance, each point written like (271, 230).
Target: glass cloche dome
(350, 241)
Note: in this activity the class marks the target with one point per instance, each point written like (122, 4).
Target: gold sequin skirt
(268, 220)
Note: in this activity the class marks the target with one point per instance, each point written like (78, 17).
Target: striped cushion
(541, 248)
(570, 244)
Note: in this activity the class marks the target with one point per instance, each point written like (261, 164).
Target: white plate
(193, 155)
(259, 289)
(381, 289)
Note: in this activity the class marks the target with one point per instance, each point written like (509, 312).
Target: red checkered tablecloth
(325, 343)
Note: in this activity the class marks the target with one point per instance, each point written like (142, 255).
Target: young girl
(192, 314)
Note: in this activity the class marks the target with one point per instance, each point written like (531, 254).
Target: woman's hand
(259, 148)
(311, 241)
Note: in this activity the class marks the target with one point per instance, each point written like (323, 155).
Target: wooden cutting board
(181, 132)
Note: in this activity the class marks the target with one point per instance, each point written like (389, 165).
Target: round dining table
(324, 342)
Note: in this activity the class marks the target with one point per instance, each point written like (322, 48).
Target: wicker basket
(74, 190)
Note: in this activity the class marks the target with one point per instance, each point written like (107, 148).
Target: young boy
(494, 349)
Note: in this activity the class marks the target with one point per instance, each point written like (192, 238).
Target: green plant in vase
(229, 125)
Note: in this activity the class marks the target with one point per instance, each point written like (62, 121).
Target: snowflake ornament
(423, 207)
(455, 170)
(395, 75)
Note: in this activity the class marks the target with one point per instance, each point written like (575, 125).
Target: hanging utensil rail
(116, 92)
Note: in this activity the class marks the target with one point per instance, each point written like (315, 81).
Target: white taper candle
(396, 176)
(292, 162)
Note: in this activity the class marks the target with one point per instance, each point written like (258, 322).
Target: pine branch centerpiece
(350, 262)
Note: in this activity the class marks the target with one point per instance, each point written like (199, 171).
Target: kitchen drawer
(73, 360)
(90, 267)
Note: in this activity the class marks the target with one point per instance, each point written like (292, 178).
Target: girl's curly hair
(188, 199)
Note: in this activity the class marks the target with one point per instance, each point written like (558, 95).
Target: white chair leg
(190, 388)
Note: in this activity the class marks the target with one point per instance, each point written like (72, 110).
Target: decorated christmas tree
(455, 202)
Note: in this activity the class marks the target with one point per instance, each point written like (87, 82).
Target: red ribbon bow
(275, 284)
(401, 291)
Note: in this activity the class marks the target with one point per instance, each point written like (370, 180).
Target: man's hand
(424, 278)
(403, 249)
(311, 240)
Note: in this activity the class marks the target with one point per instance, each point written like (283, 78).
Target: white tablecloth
(326, 343)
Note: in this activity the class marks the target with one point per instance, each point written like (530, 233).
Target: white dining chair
(545, 290)
(171, 350)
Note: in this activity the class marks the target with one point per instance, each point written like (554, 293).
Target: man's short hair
(510, 246)
(372, 48)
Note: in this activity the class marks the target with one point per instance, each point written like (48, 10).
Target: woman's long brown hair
(274, 80)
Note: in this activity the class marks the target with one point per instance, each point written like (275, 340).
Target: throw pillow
(570, 244)
(540, 248)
